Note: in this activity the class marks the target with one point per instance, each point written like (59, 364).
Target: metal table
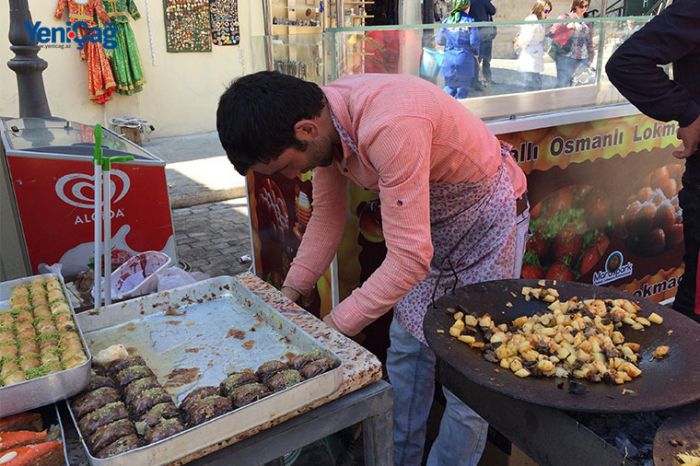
(370, 405)
(362, 397)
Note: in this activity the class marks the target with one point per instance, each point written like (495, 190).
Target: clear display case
(413, 49)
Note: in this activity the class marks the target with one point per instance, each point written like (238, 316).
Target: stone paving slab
(197, 169)
(183, 148)
(211, 238)
(204, 180)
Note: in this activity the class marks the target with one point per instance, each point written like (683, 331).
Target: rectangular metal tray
(41, 391)
(50, 416)
(208, 326)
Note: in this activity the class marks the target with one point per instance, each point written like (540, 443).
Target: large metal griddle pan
(667, 383)
(680, 433)
(206, 311)
(41, 391)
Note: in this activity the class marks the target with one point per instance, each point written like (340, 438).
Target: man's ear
(306, 130)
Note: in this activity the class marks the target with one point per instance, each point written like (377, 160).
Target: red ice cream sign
(55, 201)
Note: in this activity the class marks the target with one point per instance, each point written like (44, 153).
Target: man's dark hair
(257, 114)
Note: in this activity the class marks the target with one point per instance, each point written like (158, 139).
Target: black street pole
(27, 64)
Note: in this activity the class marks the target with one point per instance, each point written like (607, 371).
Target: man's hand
(690, 135)
(291, 294)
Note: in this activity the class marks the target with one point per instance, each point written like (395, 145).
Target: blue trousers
(462, 437)
(458, 91)
(566, 67)
(411, 367)
(532, 81)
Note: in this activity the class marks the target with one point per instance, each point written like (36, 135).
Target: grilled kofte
(132, 373)
(245, 387)
(143, 412)
(300, 360)
(235, 380)
(115, 367)
(248, 393)
(109, 422)
(135, 388)
(283, 379)
(105, 415)
(148, 399)
(158, 412)
(197, 394)
(110, 433)
(312, 364)
(203, 404)
(38, 335)
(90, 401)
(99, 381)
(204, 409)
(164, 429)
(269, 368)
(317, 367)
(121, 445)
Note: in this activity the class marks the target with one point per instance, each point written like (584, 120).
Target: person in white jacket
(530, 41)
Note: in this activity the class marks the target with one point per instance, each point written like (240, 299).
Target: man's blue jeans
(462, 436)
(411, 367)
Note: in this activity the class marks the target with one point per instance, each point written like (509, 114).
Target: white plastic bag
(137, 276)
(173, 277)
(54, 268)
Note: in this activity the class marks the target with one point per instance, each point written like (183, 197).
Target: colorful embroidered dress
(126, 63)
(101, 83)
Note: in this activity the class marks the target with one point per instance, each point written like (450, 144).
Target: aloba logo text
(79, 32)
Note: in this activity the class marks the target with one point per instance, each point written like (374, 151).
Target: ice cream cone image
(302, 210)
(302, 207)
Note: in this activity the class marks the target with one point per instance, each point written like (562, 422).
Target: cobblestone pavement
(211, 238)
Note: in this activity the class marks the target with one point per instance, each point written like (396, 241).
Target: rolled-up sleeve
(324, 231)
(401, 155)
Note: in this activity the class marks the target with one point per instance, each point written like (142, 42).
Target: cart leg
(378, 439)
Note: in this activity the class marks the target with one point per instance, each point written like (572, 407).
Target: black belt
(521, 204)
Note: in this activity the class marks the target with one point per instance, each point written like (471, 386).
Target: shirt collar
(340, 116)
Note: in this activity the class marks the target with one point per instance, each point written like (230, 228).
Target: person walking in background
(530, 42)
(671, 37)
(572, 44)
(483, 11)
(461, 44)
(441, 9)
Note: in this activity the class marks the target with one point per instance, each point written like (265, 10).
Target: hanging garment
(101, 82)
(224, 22)
(125, 59)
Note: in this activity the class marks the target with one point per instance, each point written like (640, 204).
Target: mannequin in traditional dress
(101, 83)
